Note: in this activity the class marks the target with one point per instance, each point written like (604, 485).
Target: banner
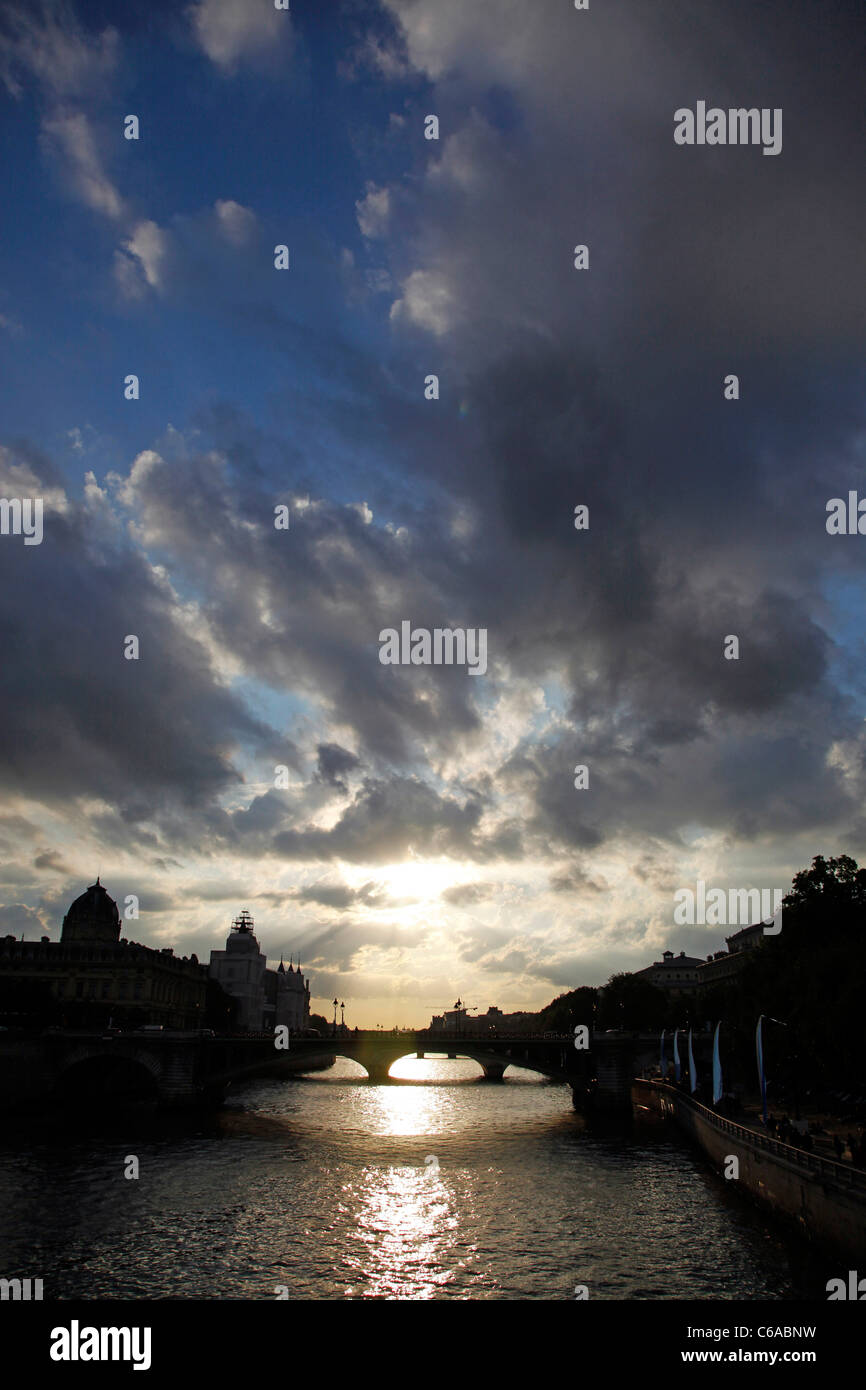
(717, 1068)
(759, 1049)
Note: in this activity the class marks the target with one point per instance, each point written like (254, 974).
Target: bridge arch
(108, 1076)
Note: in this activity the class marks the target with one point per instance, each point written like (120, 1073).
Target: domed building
(92, 977)
(92, 917)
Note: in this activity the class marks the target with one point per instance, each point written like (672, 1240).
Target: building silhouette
(266, 998)
(91, 975)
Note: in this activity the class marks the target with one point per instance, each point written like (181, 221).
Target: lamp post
(342, 1018)
(335, 1017)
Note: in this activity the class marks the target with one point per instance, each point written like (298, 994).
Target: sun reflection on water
(407, 1216)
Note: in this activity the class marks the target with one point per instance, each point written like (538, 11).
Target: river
(328, 1187)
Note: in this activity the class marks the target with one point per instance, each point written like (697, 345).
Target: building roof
(94, 902)
(745, 933)
(672, 962)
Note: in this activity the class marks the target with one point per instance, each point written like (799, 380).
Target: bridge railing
(841, 1173)
(470, 1037)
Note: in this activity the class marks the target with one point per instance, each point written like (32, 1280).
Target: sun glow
(422, 878)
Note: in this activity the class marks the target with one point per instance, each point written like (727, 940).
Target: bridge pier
(378, 1072)
(177, 1085)
(614, 1071)
(493, 1071)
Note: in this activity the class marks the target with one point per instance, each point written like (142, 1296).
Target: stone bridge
(184, 1069)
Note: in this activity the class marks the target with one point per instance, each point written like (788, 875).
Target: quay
(823, 1199)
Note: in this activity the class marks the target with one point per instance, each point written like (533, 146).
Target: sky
(426, 839)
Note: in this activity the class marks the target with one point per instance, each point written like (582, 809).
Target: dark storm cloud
(51, 859)
(391, 820)
(81, 720)
(340, 896)
(576, 881)
(329, 585)
(332, 762)
(604, 387)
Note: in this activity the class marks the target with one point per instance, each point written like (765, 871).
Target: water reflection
(336, 1187)
(404, 1218)
(403, 1110)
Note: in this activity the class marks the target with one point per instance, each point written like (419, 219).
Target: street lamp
(342, 1018)
(335, 1017)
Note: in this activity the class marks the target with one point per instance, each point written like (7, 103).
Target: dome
(241, 938)
(92, 917)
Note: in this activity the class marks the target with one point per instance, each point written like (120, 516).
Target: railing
(813, 1163)
(513, 1038)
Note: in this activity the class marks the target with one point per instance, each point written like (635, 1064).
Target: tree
(568, 1010)
(627, 1002)
(810, 976)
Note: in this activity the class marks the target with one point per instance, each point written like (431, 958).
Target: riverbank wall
(824, 1200)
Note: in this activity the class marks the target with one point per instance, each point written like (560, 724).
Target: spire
(281, 969)
(291, 971)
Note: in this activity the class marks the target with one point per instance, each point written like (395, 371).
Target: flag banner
(717, 1068)
(759, 1049)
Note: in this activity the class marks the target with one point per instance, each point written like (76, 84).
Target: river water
(329, 1187)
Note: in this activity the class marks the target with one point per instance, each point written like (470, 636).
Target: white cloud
(52, 49)
(141, 261)
(236, 223)
(373, 211)
(230, 31)
(72, 140)
(428, 301)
